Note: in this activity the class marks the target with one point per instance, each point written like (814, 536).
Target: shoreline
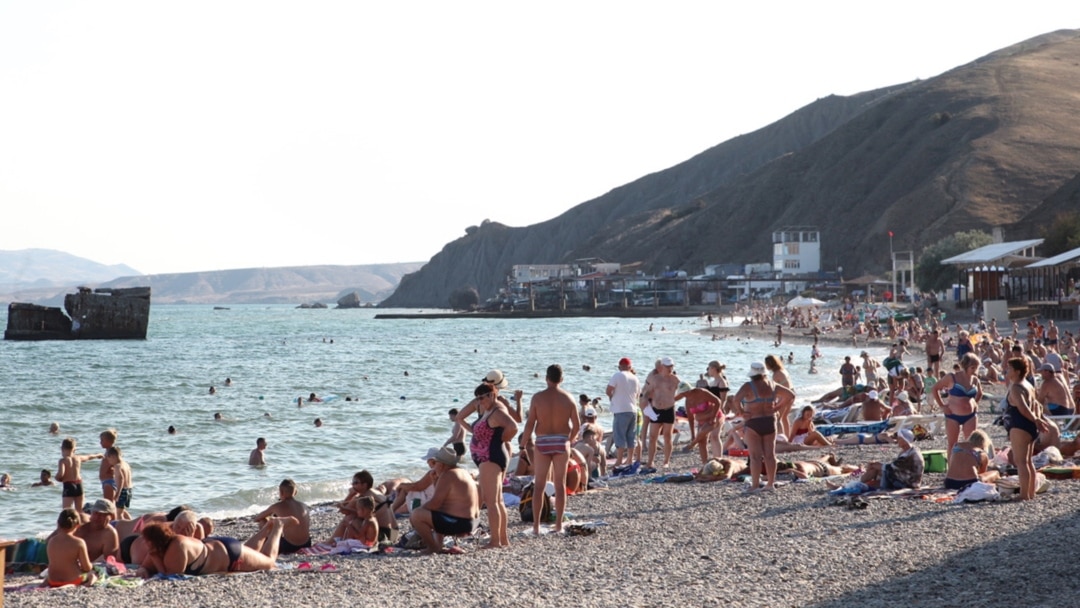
(669, 544)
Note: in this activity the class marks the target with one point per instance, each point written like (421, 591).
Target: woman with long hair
(781, 377)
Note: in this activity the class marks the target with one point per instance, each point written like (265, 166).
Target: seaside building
(797, 250)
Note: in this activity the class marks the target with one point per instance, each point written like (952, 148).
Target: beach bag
(525, 508)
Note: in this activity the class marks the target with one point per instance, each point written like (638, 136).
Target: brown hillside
(981, 145)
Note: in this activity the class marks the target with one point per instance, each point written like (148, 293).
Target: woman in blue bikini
(965, 392)
(758, 401)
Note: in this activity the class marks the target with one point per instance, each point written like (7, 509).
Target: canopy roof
(1061, 258)
(997, 254)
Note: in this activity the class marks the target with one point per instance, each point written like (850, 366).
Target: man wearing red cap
(623, 390)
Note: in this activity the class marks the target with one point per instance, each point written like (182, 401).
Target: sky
(190, 136)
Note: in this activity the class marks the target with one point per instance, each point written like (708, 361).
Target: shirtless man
(873, 409)
(69, 563)
(1054, 393)
(101, 539)
(661, 391)
(296, 534)
(824, 466)
(257, 457)
(553, 416)
(455, 507)
(105, 473)
(935, 348)
(362, 485)
(69, 473)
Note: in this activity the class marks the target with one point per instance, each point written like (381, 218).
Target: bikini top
(975, 453)
(957, 390)
(757, 398)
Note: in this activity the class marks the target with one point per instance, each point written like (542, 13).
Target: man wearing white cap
(904, 472)
(661, 391)
(873, 409)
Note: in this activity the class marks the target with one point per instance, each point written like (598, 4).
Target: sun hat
(667, 362)
(496, 378)
(757, 368)
(447, 456)
(872, 395)
(903, 396)
(590, 412)
(103, 505)
(432, 453)
(1047, 367)
(906, 435)
(625, 362)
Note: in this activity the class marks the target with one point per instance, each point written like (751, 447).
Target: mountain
(43, 268)
(291, 285)
(990, 143)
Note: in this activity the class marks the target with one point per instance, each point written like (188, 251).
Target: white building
(533, 273)
(797, 250)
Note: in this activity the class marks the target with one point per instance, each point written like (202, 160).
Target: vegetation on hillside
(1063, 234)
(930, 274)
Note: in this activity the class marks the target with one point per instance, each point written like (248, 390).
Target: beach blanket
(870, 428)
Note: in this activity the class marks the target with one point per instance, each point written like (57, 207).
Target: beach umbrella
(803, 302)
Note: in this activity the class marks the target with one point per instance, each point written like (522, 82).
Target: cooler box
(935, 461)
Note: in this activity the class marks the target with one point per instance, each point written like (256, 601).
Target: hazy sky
(184, 136)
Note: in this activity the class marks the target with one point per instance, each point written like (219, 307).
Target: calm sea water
(403, 374)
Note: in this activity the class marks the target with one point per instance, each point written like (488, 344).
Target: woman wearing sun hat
(758, 401)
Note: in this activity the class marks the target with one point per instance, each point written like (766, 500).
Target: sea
(387, 386)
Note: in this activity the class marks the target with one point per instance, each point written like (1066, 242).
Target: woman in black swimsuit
(171, 553)
(759, 400)
(1023, 421)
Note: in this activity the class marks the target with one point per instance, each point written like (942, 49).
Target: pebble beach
(686, 544)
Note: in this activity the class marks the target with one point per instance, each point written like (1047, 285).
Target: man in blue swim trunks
(455, 507)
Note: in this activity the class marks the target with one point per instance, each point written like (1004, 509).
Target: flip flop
(328, 567)
(304, 566)
(455, 550)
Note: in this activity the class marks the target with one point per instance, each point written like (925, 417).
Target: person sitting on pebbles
(904, 472)
(825, 466)
(453, 510)
(295, 536)
(969, 461)
(69, 563)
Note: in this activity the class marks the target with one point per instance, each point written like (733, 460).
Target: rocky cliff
(982, 145)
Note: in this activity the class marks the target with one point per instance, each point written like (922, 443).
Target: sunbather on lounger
(866, 439)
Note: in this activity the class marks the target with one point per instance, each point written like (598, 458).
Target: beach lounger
(1067, 423)
(871, 428)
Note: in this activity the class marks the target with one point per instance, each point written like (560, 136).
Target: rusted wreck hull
(102, 314)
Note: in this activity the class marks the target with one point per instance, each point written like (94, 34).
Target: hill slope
(979, 146)
(47, 267)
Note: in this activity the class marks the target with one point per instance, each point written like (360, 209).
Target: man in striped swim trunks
(553, 416)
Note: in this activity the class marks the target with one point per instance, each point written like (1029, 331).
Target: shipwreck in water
(99, 314)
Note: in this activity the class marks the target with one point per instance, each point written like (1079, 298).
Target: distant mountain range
(991, 143)
(44, 268)
(43, 276)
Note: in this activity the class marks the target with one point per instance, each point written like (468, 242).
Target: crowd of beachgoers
(961, 387)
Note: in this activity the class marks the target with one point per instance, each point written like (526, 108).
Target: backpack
(525, 508)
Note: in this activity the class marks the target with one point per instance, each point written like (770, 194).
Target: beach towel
(871, 428)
